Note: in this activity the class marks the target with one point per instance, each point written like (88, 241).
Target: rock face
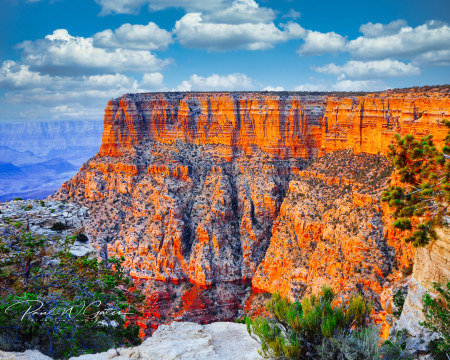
(368, 123)
(215, 188)
(180, 340)
(282, 126)
(330, 230)
(431, 264)
(27, 355)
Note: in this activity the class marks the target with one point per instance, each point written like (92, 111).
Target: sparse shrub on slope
(422, 200)
(82, 238)
(58, 304)
(58, 226)
(316, 329)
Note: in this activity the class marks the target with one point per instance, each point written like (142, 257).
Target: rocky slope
(39, 216)
(220, 189)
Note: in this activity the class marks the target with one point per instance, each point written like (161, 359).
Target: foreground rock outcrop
(177, 341)
(203, 193)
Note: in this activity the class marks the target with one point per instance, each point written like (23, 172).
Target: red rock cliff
(281, 125)
(368, 123)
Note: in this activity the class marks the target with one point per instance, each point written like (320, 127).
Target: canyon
(216, 199)
(37, 157)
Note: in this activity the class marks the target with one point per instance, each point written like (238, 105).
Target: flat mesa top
(428, 90)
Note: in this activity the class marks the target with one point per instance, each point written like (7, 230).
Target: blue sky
(63, 59)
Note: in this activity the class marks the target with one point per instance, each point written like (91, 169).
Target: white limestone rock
(79, 249)
(27, 355)
(189, 341)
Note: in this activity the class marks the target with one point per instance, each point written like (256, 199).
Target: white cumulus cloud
(240, 12)
(219, 7)
(317, 43)
(152, 80)
(136, 37)
(63, 54)
(273, 88)
(16, 76)
(433, 58)
(292, 14)
(369, 70)
(61, 96)
(217, 82)
(343, 85)
(192, 31)
(371, 30)
(407, 42)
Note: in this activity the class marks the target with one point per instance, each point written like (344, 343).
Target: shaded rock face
(213, 188)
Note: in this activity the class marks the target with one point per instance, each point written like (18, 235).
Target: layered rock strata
(212, 188)
(368, 123)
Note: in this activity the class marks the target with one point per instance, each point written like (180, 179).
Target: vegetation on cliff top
(421, 201)
(56, 303)
(316, 328)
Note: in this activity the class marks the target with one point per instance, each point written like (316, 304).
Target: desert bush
(58, 226)
(298, 329)
(316, 329)
(82, 238)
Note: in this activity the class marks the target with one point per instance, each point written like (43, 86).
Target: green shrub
(42, 203)
(437, 314)
(18, 199)
(315, 329)
(297, 330)
(398, 300)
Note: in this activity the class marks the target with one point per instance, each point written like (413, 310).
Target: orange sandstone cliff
(203, 193)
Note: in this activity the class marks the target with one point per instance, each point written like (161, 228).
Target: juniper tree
(420, 202)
